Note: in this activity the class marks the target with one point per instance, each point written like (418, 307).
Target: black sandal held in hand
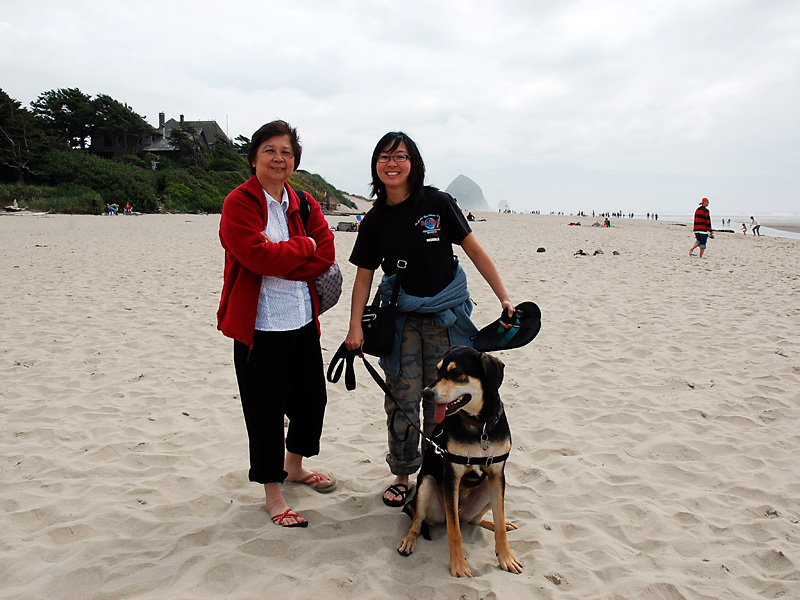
(525, 325)
(398, 489)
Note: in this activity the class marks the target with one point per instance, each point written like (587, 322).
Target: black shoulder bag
(377, 322)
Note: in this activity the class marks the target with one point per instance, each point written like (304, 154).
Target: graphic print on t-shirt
(430, 225)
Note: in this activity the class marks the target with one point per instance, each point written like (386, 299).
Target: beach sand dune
(656, 424)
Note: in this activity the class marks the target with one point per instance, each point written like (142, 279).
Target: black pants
(282, 374)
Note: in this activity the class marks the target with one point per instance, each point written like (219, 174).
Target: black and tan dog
(462, 473)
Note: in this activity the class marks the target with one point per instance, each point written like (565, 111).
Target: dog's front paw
(460, 568)
(407, 545)
(509, 562)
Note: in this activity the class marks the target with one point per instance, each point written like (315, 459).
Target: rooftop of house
(208, 131)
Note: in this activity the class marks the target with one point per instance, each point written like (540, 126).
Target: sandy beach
(656, 424)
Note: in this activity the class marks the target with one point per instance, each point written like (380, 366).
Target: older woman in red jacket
(270, 309)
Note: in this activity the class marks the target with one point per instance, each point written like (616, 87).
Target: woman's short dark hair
(268, 131)
(416, 177)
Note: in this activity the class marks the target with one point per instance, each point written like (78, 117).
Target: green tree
(69, 113)
(23, 141)
(187, 141)
(242, 144)
(223, 156)
(119, 123)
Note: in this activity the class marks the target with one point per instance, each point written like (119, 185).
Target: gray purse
(329, 284)
(329, 287)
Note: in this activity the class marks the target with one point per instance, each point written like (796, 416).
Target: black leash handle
(343, 360)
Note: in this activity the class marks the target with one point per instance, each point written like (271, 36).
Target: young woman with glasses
(418, 224)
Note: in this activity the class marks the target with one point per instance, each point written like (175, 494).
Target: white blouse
(283, 305)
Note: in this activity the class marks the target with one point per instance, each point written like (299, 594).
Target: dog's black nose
(427, 393)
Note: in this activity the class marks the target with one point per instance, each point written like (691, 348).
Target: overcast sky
(551, 105)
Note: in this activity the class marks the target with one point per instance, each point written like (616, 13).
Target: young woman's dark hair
(416, 177)
(270, 130)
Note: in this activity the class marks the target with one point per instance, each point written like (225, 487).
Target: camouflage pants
(421, 349)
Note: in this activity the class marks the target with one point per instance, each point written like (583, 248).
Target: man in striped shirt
(702, 228)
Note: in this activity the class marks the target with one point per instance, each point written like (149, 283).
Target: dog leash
(343, 361)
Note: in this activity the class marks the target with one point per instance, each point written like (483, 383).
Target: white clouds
(557, 98)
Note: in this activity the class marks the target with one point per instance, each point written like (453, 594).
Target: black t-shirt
(422, 233)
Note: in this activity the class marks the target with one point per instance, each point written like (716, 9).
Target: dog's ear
(493, 369)
(448, 351)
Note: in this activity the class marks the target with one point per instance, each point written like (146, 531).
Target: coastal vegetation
(47, 162)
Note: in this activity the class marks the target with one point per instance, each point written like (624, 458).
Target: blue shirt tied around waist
(452, 308)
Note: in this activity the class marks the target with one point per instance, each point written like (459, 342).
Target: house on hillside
(206, 133)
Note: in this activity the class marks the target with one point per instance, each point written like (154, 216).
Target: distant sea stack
(468, 193)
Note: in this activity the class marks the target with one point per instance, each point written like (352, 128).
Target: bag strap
(305, 209)
(398, 281)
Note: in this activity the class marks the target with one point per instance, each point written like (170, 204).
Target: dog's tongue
(441, 412)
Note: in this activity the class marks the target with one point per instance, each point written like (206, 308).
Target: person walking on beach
(269, 307)
(755, 226)
(702, 228)
(417, 224)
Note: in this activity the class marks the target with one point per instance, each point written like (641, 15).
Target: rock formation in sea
(468, 193)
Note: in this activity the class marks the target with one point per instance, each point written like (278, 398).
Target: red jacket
(248, 256)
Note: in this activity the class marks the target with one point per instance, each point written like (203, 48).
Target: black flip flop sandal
(398, 489)
(525, 325)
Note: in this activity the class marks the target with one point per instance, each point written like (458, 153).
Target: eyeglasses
(385, 158)
(285, 154)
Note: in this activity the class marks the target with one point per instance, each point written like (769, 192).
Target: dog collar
(494, 420)
(474, 460)
(488, 426)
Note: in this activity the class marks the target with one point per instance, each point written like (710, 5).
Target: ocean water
(784, 226)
